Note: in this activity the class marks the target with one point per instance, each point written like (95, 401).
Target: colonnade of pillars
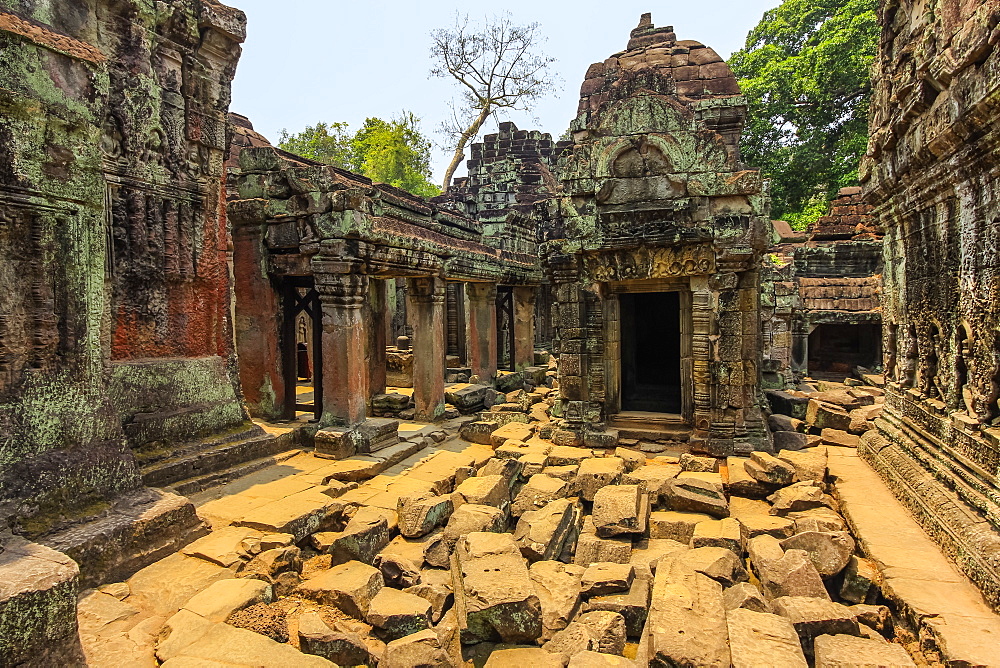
(354, 314)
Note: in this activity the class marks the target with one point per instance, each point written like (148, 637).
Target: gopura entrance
(651, 352)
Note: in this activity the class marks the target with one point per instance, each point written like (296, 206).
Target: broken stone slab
(621, 509)
(363, 537)
(225, 597)
(799, 497)
(494, 595)
(726, 533)
(768, 469)
(468, 398)
(788, 403)
(696, 495)
(607, 628)
(540, 534)
(591, 548)
(632, 605)
(742, 484)
(270, 564)
(514, 431)
(817, 519)
(839, 437)
(655, 477)
(573, 639)
(488, 490)
(829, 551)
(823, 415)
(536, 657)
(876, 617)
(861, 581)
(813, 617)
(597, 472)
(633, 458)
(791, 440)
(223, 546)
(718, 563)
(841, 651)
(779, 422)
(793, 574)
(343, 649)
(763, 549)
(468, 518)
(566, 473)
(397, 613)
(421, 514)
(745, 595)
(648, 552)
(417, 650)
(769, 525)
(675, 525)
(517, 449)
(439, 595)
(479, 431)
(539, 491)
(604, 578)
(698, 464)
(349, 587)
(809, 465)
(509, 469)
(557, 586)
(299, 514)
(568, 455)
(532, 464)
(687, 621)
(762, 639)
(401, 561)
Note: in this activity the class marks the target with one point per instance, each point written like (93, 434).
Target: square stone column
(426, 303)
(375, 313)
(482, 345)
(524, 326)
(346, 338)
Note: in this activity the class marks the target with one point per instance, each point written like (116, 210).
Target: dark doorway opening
(505, 328)
(651, 352)
(837, 349)
(301, 348)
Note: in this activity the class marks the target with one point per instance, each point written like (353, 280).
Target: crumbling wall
(933, 176)
(112, 233)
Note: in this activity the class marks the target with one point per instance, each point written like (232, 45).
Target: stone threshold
(943, 606)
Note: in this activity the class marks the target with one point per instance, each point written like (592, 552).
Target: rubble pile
(520, 550)
(825, 412)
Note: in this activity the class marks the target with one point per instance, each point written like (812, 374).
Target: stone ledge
(944, 607)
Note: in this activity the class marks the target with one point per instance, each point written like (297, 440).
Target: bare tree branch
(497, 66)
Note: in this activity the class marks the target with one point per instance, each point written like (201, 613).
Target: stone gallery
(589, 407)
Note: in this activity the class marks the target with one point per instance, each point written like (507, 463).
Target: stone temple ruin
(590, 407)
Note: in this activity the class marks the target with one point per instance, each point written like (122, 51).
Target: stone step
(150, 454)
(201, 483)
(649, 427)
(193, 461)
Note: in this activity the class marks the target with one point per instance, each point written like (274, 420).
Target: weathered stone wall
(932, 174)
(112, 233)
(654, 198)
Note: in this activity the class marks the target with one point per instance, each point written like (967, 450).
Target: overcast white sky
(306, 61)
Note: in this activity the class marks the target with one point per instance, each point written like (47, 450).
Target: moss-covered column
(427, 316)
(345, 340)
(482, 344)
(524, 326)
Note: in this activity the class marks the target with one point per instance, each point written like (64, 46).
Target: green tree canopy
(805, 73)
(393, 152)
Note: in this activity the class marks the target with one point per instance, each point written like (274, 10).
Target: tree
(805, 73)
(496, 66)
(393, 152)
(330, 144)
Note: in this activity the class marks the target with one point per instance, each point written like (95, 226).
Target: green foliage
(805, 73)
(330, 144)
(393, 152)
(809, 212)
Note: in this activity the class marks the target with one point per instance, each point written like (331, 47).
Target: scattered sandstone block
(876, 617)
(479, 432)
(349, 587)
(633, 458)
(517, 431)
(655, 477)
(841, 651)
(557, 586)
(687, 620)
(509, 469)
(742, 484)
(222, 546)
(696, 495)
(468, 518)
(621, 509)
(762, 639)
(493, 592)
(401, 561)
(468, 398)
(268, 565)
(607, 628)
(540, 534)
(591, 548)
(590, 659)
(798, 497)
(779, 422)
(861, 580)
(343, 649)
(822, 415)
(793, 574)
(537, 492)
(417, 649)
(768, 469)
(489, 490)
(536, 657)
(697, 464)
(598, 472)
(829, 551)
(809, 465)
(567, 455)
(813, 617)
(675, 525)
(839, 437)
(363, 537)
(718, 563)
(573, 639)
(604, 578)
(633, 605)
(421, 514)
(648, 552)
(225, 597)
(791, 440)
(726, 533)
(745, 595)
(566, 473)
(397, 613)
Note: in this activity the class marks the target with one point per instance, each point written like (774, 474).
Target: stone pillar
(524, 326)
(426, 298)
(482, 345)
(345, 339)
(376, 317)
